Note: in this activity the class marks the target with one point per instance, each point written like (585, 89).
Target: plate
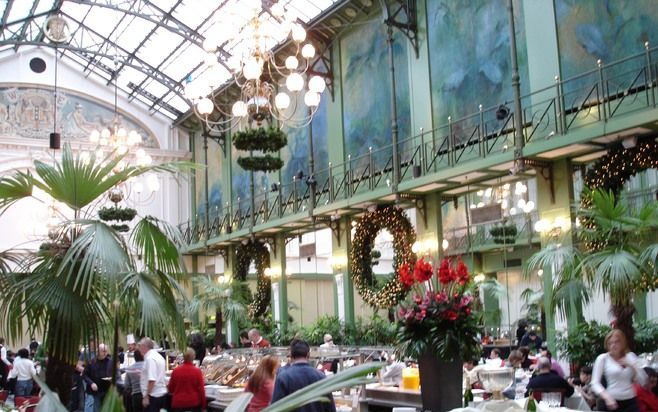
(478, 391)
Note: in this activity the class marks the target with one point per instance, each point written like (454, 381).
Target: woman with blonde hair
(614, 374)
(261, 383)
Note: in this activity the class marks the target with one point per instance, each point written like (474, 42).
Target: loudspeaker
(55, 141)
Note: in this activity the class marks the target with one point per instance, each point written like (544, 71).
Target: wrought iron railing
(609, 91)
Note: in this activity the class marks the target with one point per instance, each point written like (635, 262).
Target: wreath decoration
(610, 172)
(257, 252)
(268, 140)
(397, 223)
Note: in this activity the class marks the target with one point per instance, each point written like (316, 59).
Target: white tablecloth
(574, 403)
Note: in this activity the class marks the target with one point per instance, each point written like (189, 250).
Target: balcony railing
(607, 92)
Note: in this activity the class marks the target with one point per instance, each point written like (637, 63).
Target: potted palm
(89, 281)
(622, 265)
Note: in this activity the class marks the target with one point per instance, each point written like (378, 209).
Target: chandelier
(253, 33)
(116, 138)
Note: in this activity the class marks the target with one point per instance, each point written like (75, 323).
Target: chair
(3, 396)
(538, 393)
(28, 403)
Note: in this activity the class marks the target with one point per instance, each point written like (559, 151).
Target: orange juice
(410, 379)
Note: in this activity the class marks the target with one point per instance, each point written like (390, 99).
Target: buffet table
(392, 396)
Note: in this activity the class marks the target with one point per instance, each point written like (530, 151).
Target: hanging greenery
(367, 228)
(256, 251)
(265, 163)
(504, 234)
(119, 214)
(265, 140)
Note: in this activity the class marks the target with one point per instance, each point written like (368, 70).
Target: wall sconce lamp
(552, 228)
(273, 273)
(338, 262)
(425, 247)
(479, 278)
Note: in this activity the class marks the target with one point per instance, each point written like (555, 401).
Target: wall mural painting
(241, 181)
(216, 200)
(296, 153)
(589, 30)
(366, 89)
(28, 112)
(470, 63)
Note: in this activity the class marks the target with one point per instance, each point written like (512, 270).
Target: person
(261, 383)
(197, 342)
(521, 330)
(495, 359)
(129, 355)
(299, 375)
(258, 341)
(547, 379)
(186, 386)
(23, 370)
(514, 359)
(152, 380)
(5, 365)
(132, 390)
(526, 362)
(80, 398)
(618, 366)
(647, 395)
(98, 375)
(244, 339)
(583, 385)
(532, 341)
(328, 341)
(34, 345)
(555, 365)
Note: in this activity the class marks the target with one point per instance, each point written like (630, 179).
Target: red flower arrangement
(440, 316)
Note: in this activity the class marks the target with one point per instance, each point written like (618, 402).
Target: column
(429, 227)
(554, 208)
(279, 282)
(229, 263)
(341, 246)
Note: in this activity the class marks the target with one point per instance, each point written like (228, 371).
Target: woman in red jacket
(186, 386)
(261, 383)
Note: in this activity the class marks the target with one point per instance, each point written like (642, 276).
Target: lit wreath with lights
(397, 223)
(257, 252)
(610, 172)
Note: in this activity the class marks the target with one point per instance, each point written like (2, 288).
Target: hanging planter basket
(504, 234)
(119, 214)
(264, 140)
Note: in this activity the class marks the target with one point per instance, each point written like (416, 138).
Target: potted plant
(438, 326)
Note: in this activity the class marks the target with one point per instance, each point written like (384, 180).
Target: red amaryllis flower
(406, 276)
(462, 273)
(445, 272)
(423, 270)
(450, 314)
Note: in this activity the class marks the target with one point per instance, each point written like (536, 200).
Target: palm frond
(493, 286)
(213, 295)
(568, 295)
(614, 271)
(50, 398)
(560, 259)
(240, 403)
(14, 188)
(649, 257)
(318, 391)
(158, 244)
(98, 250)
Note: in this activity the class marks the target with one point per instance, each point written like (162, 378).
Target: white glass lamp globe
(292, 63)
(122, 132)
(94, 136)
(282, 101)
(295, 82)
(211, 59)
(298, 33)
(252, 70)
(316, 84)
(210, 45)
(277, 10)
(239, 109)
(308, 51)
(205, 106)
(105, 133)
(311, 98)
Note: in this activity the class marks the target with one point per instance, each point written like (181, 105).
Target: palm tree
(88, 277)
(217, 296)
(618, 257)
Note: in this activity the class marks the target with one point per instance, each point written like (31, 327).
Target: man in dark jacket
(546, 380)
(298, 375)
(98, 376)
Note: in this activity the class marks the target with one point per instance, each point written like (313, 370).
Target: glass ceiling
(154, 45)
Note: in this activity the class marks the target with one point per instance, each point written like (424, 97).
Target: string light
(404, 236)
(256, 251)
